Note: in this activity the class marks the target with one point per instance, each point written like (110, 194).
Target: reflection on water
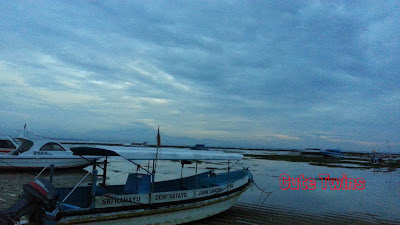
(271, 214)
(380, 198)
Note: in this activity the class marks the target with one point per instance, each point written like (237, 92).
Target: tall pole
(105, 171)
(195, 181)
(155, 163)
(229, 169)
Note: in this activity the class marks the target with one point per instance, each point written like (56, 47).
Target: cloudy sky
(289, 74)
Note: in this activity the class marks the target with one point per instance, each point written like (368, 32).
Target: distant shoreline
(348, 153)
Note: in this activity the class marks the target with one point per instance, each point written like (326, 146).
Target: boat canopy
(150, 153)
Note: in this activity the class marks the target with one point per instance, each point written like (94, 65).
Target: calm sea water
(380, 198)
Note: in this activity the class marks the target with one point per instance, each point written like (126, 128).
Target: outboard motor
(38, 197)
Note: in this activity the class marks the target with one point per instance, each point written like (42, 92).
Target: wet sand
(269, 214)
(11, 182)
(11, 186)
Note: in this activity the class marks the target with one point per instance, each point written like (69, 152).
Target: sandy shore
(11, 182)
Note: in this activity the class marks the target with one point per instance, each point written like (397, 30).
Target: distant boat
(311, 151)
(7, 145)
(332, 152)
(199, 147)
(40, 153)
(139, 144)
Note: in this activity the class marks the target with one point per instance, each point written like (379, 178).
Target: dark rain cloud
(268, 73)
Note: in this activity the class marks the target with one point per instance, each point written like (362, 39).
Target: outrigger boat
(140, 200)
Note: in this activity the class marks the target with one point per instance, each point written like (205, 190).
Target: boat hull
(166, 215)
(32, 163)
(32, 154)
(6, 150)
(172, 207)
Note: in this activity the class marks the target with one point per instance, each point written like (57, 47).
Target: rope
(262, 190)
(268, 193)
(233, 165)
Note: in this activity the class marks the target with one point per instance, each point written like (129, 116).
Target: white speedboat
(40, 153)
(140, 200)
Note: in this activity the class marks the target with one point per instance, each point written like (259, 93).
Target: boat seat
(137, 183)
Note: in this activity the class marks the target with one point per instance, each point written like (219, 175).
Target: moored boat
(39, 153)
(140, 200)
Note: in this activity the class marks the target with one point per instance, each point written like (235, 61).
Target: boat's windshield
(6, 144)
(52, 147)
(26, 145)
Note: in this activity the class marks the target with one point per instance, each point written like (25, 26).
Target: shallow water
(378, 201)
(380, 197)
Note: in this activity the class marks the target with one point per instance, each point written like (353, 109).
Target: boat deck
(81, 195)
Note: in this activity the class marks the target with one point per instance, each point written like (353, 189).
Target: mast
(155, 163)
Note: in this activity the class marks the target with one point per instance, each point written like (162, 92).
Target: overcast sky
(289, 74)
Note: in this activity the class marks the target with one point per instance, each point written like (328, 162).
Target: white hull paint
(165, 215)
(21, 162)
(41, 153)
(216, 200)
(179, 216)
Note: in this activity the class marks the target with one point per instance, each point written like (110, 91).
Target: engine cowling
(38, 197)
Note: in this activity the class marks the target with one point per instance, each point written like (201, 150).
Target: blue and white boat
(140, 200)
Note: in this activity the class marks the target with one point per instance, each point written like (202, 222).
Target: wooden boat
(140, 200)
(38, 153)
